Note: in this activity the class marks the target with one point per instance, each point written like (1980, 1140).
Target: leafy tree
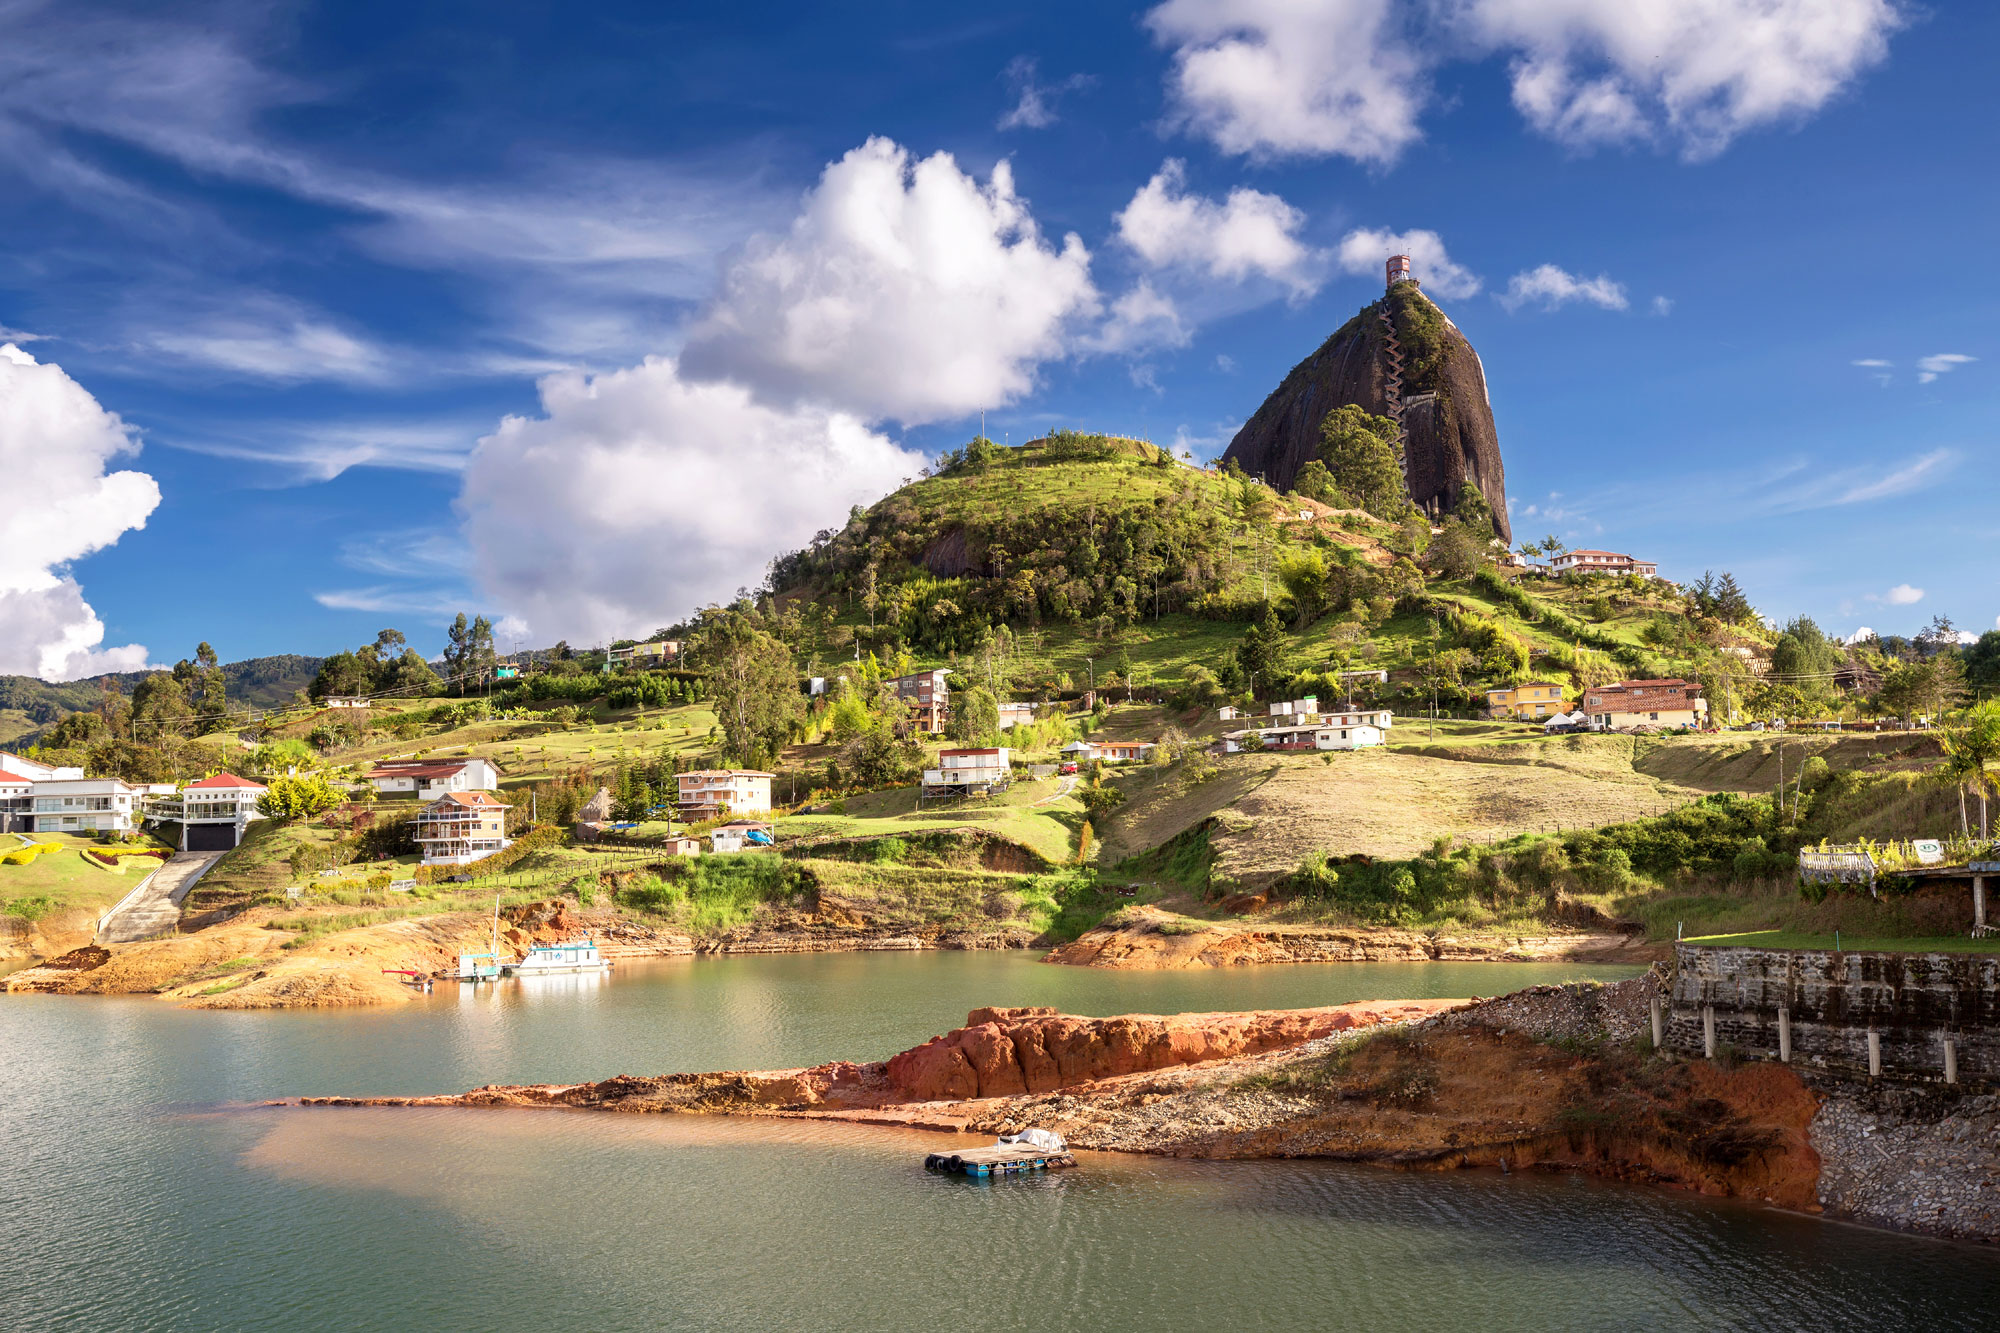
(1806, 659)
(1471, 508)
(1982, 663)
(1939, 636)
(1307, 581)
(160, 707)
(76, 731)
(752, 685)
(1455, 553)
(1365, 457)
(974, 717)
(1929, 686)
(303, 797)
(211, 686)
(468, 654)
(1257, 652)
(1316, 483)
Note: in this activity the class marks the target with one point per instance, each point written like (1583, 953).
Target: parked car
(1068, 768)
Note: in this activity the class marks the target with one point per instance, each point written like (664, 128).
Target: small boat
(551, 959)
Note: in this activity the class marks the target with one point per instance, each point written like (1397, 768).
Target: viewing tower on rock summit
(1400, 358)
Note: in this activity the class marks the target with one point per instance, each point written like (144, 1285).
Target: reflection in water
(126, 1209)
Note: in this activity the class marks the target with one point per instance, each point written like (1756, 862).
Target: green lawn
(1795, 939)
(63, 879)
(1024, 814)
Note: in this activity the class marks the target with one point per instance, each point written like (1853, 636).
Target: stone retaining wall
(1913, 1003)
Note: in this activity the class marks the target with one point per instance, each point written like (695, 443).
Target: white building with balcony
(212, 813)
(968, 772)
(711, 792)
(86, 805)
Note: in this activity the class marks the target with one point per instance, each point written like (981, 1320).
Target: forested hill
(27, 705)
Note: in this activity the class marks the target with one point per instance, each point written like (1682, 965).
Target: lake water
(143, 1189)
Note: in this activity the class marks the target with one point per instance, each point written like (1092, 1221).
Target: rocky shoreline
(1145, 938)
(1550, 1078)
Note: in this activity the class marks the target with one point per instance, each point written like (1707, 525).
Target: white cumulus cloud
(1282, 78)
(1548, 286)
(1365, 251)
(55, 444)
(1249, 234)
(639, 495)
(904, 289)
(1351, 78)
(1696, 73)
(1930, 367)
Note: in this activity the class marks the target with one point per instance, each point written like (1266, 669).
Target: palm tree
(1968, 749)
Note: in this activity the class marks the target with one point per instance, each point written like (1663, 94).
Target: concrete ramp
(154, 904)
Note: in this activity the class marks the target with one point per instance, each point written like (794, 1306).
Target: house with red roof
(462, 826)
(1604, 562)
(427, 779)
(211, 814)
(17, 808)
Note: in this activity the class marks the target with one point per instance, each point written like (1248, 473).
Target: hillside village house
(462, 826)
(735, 836)
(344, 701)
(425, 779)
(1603, 562)
(656, 653)
(212, 813)
(927, 697)
(33, 770)
(1110, 752)
(967, 772)
(1531, 702)
(1335, 731)
(17, 805)
(723, 791)
(1651, 703)
(86, 805)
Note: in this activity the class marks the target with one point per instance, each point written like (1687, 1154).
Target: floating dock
(1006, 1161)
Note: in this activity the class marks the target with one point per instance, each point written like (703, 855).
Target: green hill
(1080, 560)
(29, 706)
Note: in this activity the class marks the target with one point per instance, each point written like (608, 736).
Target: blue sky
(722, 271)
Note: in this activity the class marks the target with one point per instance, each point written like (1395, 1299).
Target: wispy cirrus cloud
(1798, 486)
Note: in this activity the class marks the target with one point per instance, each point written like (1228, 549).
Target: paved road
(157, 906)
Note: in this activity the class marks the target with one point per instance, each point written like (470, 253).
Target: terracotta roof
(475, 799)
(726, 773)
(425, 768)
(6, 777)
(225, 781)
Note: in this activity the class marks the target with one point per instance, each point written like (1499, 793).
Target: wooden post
(1785, 1034)
(1708, 1030)
(1950, 1060)
(1979, 902)
(1874, 1053)
(1659, 1023)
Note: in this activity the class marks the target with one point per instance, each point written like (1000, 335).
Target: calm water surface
(143, 1189)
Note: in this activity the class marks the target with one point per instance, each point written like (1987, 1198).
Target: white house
(1110, 752)
(17, 806)
(719, 791)
(734, 836)
(460, 827)
(1344, 734)
(344, 701)
(29, 768)
(427, 779)
(85, 805)
(968, 772)
(212, 813)
(1604, 562)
